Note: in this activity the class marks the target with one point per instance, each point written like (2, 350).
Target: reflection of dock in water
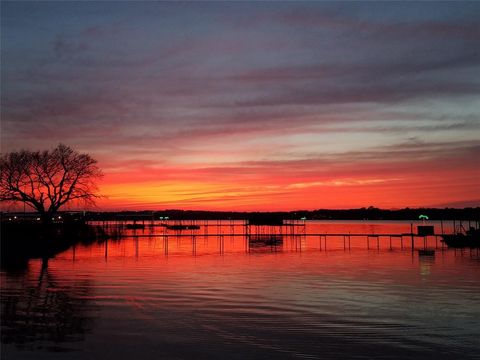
(265, 243)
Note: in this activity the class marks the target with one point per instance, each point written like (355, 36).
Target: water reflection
(192, 296)
(426, 263)
(265, 243)
(41, 312)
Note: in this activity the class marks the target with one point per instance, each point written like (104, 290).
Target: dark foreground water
(214, 298)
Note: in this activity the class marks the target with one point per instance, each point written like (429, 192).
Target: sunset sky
(253, 105)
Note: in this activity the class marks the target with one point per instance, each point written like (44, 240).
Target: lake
(203, 296)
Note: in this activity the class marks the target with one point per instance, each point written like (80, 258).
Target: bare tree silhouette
(48, 180)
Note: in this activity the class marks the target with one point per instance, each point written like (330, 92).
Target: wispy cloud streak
(241, 105)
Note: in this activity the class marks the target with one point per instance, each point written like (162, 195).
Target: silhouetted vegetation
(24, 239)
(47, 180)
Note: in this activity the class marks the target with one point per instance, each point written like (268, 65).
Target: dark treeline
(370, 213)
(21, 241)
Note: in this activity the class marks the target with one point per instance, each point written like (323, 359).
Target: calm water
(216, 298)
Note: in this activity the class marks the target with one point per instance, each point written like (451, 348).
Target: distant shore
(370, 213)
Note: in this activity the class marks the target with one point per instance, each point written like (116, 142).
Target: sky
(251, 105)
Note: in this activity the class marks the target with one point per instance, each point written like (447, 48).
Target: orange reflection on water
(156, 246)
(132, 294)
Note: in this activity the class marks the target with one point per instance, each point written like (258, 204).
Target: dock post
(165, 244)
(411, 234)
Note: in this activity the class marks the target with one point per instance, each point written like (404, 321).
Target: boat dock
(289, 235)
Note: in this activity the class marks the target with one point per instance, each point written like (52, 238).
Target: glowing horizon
(252, 106)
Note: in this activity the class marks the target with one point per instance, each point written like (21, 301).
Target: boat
(183, 227)
(135, 226)
(468, 238)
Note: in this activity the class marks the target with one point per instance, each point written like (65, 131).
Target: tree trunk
(46, 217)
